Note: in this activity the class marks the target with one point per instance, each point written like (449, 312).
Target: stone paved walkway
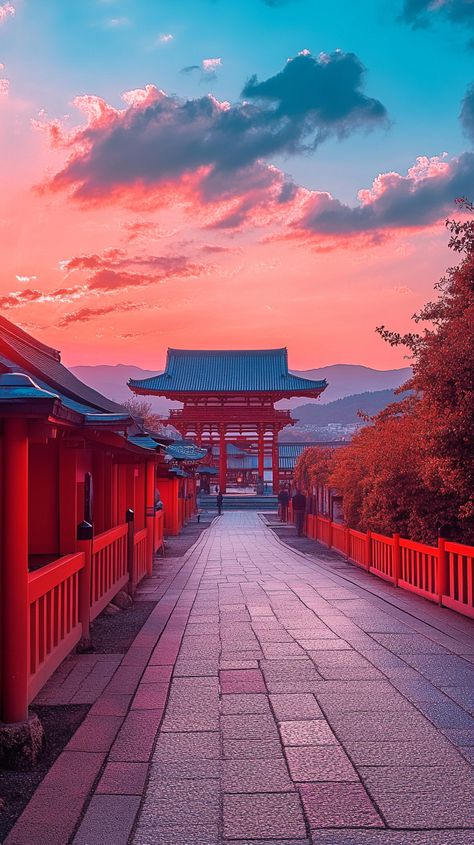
(269, 699)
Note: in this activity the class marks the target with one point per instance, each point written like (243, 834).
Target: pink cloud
(395, 202)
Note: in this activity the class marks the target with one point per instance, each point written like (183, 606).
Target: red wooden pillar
(129, 489)
(108, 491)
(15, 609)
(150, 513)
(67, 499)
(222, 459)
(261, 452)
(275, 463)
(98, 480)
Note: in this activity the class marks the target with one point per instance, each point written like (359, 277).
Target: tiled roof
(182, 451)
(92, 415)
(178, 472)
(144, 441)
(44, 362)
(290, 452)
(208, 371)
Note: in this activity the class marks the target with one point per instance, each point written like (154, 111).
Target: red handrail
(54, 625)
(381, 556)
(460, 580)
(443, 573)
(159, 531)
(109, 567)
(140, 547)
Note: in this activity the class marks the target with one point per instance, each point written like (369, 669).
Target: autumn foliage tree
(411, 469)
(314, 467)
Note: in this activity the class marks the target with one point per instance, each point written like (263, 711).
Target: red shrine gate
(229, 397)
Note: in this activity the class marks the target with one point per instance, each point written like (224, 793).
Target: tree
(313, 467)
(412, 469)
(143, 410)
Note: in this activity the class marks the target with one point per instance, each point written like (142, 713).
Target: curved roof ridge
(197, 352)
(191, 371)
(16, 331)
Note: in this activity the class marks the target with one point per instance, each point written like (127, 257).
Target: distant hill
(112, 382)
(351, 379)
(343, 380)
(345, 411)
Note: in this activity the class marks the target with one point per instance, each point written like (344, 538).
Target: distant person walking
(220, 502)
(283, 501)
(299, 509)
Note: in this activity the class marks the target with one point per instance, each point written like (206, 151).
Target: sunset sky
(201, 173)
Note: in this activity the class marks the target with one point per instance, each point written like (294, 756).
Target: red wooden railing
(357, 548)
(460, 577)
(444, 574)
(53, 595)
(419, 566)
(323, 528)
(159, 530)
(64, 596)
(381, 556)
(339, 538)
(140, 556)
(109, 567)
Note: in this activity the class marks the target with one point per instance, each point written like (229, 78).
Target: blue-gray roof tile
(221, 371)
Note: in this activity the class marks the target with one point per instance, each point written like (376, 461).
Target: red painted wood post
(442, 571)
(15, 608)
(67, 499)
(275, 464)
(368, 552)
(396, 559)
(85, 534)
(261, 452)
(330, 534)
(130, 520)
(150, 514)
(222, 460)
(348, 543)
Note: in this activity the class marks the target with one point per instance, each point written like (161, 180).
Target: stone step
(240, 503)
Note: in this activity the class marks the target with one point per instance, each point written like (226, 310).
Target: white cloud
(166, 38)
(6, 11)
(116, 23)
(26, 279)
(210, 65)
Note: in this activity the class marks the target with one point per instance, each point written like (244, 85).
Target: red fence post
(330, 534)
(129, 519)
(150, 514)
(396, 559)
(348, 542)
(368, 550)
(443, 571)
(85, 533)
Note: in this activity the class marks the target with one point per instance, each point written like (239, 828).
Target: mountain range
(346, 410)
(343, 380)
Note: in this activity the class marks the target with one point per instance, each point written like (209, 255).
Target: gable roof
(43, 362)
(227, 371)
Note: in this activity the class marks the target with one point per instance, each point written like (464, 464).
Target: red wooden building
(229, 397)
(78, 480)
